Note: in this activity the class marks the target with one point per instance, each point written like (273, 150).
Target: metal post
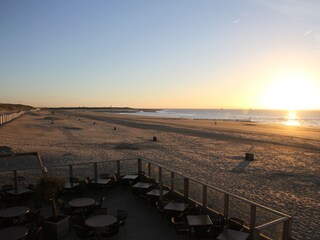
(118, 168)
(70, 175)
(161, 191)
(149, 170)
(287, 229)
(95, 167)
(172, 182)
(252, 218)
(160, 174)
(204, 196)
(186, 188)
(139, 166)
(226, 205)
(15, 180)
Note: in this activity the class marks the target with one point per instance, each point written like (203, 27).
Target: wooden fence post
(95, 168)
(252, 218)
(186, 188)
(226, 205)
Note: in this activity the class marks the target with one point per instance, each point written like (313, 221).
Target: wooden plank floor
(143, 222)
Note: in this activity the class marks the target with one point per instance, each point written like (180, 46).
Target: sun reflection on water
(291, 119)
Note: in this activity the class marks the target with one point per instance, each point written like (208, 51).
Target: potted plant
(57, 226)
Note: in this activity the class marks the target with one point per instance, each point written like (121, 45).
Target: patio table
(19, 191)
(81, 202)
(14, 233)
(176, 206)
(199, 220)
(142, 185)
(70, 185)
(100, 221)
(13, 212)
(156, 192)
(229, 234)
(130, 177)
(101, 181)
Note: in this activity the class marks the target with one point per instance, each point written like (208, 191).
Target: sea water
(290, 117)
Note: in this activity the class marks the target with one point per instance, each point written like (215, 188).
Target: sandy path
(284, 176)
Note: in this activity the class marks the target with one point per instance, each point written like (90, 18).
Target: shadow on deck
(143, 222)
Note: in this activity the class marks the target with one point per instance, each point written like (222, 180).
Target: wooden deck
(143, 222)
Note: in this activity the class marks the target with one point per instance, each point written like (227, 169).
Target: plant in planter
(56, 226)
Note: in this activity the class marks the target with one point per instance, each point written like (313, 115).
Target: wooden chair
(34, 233)
(112, 231)
(122, 216)
(104, 175)
(200, 232)
(235, 224)
(74, 180)
(180, 226)
(82, 231)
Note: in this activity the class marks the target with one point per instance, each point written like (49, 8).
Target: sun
(291, 91)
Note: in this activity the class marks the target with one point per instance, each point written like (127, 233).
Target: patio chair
(74, 180)
(99, 208)
(33, 219)
(122, 216)
(159, 205)
(104, 175)
(111, 231)
(235, 224)
(65, 208)
(200, 232)
(34, 233)
(180, 225)
(82, 231)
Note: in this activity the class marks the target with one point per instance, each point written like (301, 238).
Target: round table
(101, 221)
(13, 233)
(81, 202)
(13, 212)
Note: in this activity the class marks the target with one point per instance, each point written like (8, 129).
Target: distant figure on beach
(215, 123)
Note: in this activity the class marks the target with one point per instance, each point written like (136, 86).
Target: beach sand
(284, 176)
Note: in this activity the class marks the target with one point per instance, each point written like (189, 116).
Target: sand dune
(6, 107)
(284, 176)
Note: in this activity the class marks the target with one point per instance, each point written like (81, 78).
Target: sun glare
(291, 119)
(290, 91)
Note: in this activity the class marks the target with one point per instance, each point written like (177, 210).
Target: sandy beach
(284, 176)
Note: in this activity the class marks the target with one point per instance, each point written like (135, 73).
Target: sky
(161, 54)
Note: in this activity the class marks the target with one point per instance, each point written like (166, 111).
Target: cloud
(309, 8)
(308, 32)
(235, 21)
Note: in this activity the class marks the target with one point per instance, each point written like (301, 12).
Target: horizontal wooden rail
(222, 191)
(274, 222)
(172, 180)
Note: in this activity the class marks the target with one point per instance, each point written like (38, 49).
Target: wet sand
(284, 176)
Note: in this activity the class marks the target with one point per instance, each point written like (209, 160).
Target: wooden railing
(170, 178)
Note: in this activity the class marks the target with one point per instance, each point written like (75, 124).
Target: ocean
(305, 118)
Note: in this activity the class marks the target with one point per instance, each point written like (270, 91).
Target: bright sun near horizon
(291, 90)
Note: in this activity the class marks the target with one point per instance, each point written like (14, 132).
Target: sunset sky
(161, 54)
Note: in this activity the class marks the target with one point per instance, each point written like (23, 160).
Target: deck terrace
(143, 222)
